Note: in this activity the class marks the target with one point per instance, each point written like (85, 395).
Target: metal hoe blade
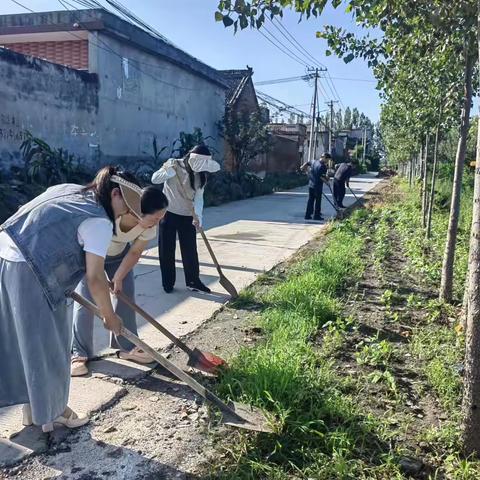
(204, 361)
(235, 414)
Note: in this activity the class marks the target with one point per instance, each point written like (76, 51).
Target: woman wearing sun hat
(133, 232)
(46, 248)
(184, 182)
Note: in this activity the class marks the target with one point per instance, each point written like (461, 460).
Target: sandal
(79, 366)
(136, 355)
(68, 419)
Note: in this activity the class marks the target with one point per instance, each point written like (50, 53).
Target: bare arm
(100, 291)
(128, 263)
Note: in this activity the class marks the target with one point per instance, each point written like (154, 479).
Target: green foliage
(374, 352)
(48, 166)
(317, 424)
(247, 137)
(186, 141)
(440, 348)
(144, 169)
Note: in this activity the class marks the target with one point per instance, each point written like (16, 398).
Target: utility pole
(364, 144)
(313, 138)
(330, 130)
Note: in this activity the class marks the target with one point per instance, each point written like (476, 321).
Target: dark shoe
(318, 218)
(168, 289)
(308, 218)
(198, 287)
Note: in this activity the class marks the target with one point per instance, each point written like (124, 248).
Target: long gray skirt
(83, 319)
(34, 345)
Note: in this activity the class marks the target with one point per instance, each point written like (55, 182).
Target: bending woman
(184, 181)
(133, 233)
(46, 248)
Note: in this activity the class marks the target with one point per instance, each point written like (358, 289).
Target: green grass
(325, 426)
(426, 255)
(441, 351)
(320, 431)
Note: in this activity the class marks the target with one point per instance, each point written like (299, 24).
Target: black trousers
(170, 225)
(338, 192)
(314, 204)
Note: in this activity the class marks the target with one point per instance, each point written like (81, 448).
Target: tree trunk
(446, 285)
(425, 183)
(434, 174)
(410, 172)
(471, 392)
(463, 320)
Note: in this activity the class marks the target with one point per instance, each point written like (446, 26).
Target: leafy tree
(355, 118)
(338, 120)
(426, 62)
(247, 136)
(347, 119)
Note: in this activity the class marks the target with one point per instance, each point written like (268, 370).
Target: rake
(234, 414)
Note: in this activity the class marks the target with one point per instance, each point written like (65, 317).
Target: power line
(308, 59)
(23, 6)
(335, 92)
(295, 42)
(301, 62)
(285, 80)
(275, 102)
(353, 79)
(108, 49)
(273, 81)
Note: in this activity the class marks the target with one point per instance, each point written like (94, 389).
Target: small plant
(385, 377)
(49, 166)
(375, 353)
(186, 141)
(146, 168)
(414, 301)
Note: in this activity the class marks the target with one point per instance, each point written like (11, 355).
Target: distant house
(92, 83)
(287, 154)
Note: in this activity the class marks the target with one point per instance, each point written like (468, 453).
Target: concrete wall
(110, 115)
(55, 103)
(142, 95)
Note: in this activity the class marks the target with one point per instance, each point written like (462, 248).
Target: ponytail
(102, 187)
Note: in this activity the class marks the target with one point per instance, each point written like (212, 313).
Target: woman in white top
(45, 249)
(133, 232)
(184, 181)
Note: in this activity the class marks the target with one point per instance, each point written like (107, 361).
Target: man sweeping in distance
(343, 172)
(317, 176)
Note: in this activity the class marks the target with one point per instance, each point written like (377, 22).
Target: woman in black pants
(184, 181)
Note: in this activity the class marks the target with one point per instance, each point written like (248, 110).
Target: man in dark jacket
(316, 177)
(343, 172)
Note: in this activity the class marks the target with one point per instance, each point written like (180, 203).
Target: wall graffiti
(11, 128)
(9, 134)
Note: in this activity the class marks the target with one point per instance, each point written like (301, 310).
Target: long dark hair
(102, 187)
(201, 150)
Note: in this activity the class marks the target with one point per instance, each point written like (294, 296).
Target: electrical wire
(295, 44)
(283, 48)
(285, 80)
(108, 49)
(23, 6)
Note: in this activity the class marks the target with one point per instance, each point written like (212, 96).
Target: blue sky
(190, 25)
